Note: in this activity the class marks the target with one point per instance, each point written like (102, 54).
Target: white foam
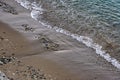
(34, 14)
(26, 4)
(36, 10)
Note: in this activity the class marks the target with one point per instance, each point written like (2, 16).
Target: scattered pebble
(25, 71)
(47, 43)
(27, 27)
(7, 8)
(5, 60)
(13, 74)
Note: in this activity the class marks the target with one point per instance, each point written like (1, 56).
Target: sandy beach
(19, 62)
(30, 51)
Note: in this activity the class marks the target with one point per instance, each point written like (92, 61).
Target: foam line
(37, 10)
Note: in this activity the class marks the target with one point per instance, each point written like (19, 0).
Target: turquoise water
(90, 13)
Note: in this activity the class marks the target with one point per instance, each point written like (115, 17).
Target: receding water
(98, 19)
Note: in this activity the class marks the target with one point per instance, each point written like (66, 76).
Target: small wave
(37, 10)
(26, 4)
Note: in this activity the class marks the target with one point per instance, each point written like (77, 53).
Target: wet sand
(11, 44)
(43, 54)
(16, 47)
(17, 54)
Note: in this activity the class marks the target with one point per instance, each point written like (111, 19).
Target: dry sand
(43, 54)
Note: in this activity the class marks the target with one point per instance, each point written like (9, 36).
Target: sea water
(96, 23)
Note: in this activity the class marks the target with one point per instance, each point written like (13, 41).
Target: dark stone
(4, 32)
(1, 38)
(5, 60)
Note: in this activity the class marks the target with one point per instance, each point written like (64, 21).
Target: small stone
(13, 54)
(5, 60)
(4, 32)
(1, 63)
(11, 79)
(4, 53)
(13, 73)
(1, 38)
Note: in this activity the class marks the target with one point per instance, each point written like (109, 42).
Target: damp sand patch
(47, 43)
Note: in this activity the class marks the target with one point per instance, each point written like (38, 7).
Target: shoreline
(89, 42)
(50, 50)
(14, 68)
(25, 57)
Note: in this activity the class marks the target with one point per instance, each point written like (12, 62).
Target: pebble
(5, 60)
(3, 76)
(13, 74)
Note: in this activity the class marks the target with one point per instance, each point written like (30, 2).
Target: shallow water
(97, 19)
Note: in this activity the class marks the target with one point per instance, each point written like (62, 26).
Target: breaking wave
(37, 10)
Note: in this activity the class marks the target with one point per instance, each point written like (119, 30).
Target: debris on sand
(35, 74)
(5, 60)
(24, 72)
(47, 43)
(7, 8)
(27, 28)
(3, 39)
(11, 65)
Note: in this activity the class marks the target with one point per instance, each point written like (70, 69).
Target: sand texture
(30, 51)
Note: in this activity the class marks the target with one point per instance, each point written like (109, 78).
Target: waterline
(37, 10)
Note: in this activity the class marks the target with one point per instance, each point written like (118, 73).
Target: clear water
(97, 19)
